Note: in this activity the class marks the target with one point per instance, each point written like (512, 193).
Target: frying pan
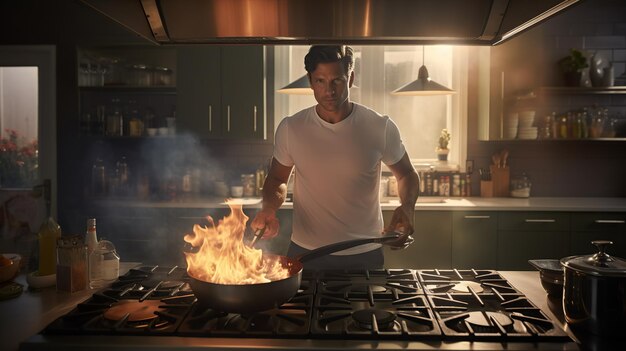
(248, 298)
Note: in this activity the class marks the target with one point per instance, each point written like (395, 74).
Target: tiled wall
(568, 168)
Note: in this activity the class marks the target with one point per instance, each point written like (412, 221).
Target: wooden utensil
(504, 155)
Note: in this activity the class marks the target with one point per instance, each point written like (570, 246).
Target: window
(19, 161)
(380, 70)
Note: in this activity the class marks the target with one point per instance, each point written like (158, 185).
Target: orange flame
(223, 258)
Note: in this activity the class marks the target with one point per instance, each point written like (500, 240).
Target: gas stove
(440, 307)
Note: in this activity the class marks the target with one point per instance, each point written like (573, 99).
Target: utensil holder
(486, 188)
(501, 177)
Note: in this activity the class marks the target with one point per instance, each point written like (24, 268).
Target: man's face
(330, 85)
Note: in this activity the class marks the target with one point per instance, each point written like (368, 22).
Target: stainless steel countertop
(23, 317)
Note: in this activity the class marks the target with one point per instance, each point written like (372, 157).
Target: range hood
(358, 22)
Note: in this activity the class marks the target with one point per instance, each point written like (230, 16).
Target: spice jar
(71, 264)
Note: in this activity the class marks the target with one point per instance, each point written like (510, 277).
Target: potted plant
(442, 147)
(573, 66)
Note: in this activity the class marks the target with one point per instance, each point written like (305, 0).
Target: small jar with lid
(248, 181)
(520, 186)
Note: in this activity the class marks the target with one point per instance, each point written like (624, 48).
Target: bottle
(98, 176)
(259, 180)
(94, 267)
(91, 236)
(456, 185)
(121, 172)
(48, 234)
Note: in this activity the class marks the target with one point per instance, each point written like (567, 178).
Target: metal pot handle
(328, 249)
(601, 256)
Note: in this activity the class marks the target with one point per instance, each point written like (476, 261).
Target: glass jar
(520, 186)
(162, 76)
(248, 182)
(104, 265)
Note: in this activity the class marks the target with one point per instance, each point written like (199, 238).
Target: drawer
(534, 221)
(599, 222)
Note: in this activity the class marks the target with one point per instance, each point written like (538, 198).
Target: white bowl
(37, 281)
(236, 191)
(152, 131)
(527, 114)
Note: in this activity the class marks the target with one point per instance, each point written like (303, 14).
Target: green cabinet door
(199, 91)
(432, 246)
(590, 226)
(474, 240)
(243, 92)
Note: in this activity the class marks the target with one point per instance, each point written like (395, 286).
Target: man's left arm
(408, 190)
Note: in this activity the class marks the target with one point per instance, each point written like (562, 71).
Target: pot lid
(598, 264)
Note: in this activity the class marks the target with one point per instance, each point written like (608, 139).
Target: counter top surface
(22, 318)
(600, 204)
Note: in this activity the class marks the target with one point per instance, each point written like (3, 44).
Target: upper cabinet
(222, 91)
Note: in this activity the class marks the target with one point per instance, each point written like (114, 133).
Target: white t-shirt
(337, 174)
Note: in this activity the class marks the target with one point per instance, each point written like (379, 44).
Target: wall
(566, 168)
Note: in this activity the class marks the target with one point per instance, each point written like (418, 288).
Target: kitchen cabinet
(531, 235)
(474, 239)
(589, 226)
(433, 242)
(221, 91)
(136, 83)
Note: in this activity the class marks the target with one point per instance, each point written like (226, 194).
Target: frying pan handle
(328, 249)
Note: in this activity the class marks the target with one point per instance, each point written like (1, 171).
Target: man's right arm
(274, 194)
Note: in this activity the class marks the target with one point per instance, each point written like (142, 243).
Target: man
(336, 148)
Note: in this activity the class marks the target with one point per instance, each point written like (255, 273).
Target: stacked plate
(526, 129)
(527, 133)
(510, 126)
(526, 119)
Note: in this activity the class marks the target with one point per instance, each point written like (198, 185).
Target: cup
(236, 191)
(171, 125)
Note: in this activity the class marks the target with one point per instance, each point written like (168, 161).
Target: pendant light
(423, 86)
(300, 86)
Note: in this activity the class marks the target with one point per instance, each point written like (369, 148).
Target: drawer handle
(228, 118)
(539, 220)
(610, 221)
(254, 113)
(477, 217)
(210, 118)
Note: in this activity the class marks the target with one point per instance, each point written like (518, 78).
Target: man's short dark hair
(328, 54)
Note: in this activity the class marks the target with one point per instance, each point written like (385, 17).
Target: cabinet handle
(539, 220)
(610, 221)
(210, 118)
(228, 118)
(477, 217)
(254, 114)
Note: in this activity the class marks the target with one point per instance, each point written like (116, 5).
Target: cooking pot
(248, 298)
(594, 291)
